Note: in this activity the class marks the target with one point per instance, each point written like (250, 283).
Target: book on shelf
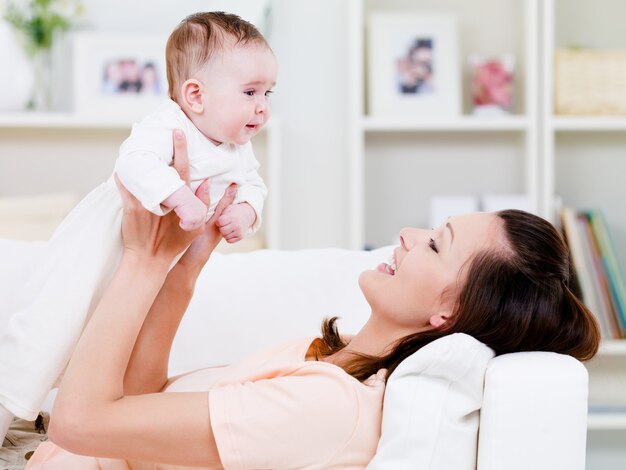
(598, 275)
(606, 409)
(614, 274)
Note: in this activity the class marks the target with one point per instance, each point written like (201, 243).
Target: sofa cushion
(431, 407)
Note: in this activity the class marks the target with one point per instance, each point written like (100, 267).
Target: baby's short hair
(197, 38)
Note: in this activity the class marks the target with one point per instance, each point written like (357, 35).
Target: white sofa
(534, 405)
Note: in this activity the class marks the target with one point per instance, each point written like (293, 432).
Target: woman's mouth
(389, 267)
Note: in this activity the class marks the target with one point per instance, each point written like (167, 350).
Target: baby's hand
(192, 214)
(188, 207)
(235, 221)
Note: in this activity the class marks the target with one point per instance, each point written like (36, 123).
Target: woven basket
(590, 82)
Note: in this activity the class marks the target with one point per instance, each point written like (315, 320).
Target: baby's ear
(191, 92)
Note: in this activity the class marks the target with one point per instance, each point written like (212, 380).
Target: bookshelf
(398, 163)
(400, 149)
(582, 156)
(57, 143)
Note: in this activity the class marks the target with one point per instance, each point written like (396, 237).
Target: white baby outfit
(85, 250)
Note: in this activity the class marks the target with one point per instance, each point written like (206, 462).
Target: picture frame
(118, 75)
(413, 65)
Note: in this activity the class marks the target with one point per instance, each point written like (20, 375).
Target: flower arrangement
(492, 84)
(38, 22)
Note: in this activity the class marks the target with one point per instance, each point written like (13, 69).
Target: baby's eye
(268, 93)
(432, 245)
(249, 92)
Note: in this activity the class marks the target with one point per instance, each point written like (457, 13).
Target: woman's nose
(407, 237)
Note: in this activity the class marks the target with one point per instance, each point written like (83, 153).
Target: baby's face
(237, 84)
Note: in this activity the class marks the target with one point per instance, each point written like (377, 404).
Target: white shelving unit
(578, 160)
(516, 135)
(31, 140)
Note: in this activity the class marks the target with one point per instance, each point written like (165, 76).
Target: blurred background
(509, 118)
(63, 154)
(386, 113)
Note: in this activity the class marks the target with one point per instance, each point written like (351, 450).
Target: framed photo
(118, 74)
(413, 65)
(492, 84)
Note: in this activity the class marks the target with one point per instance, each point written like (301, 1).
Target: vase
(16, 79)
(41, 99)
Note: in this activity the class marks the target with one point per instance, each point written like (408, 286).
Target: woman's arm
(148, 366)
(92, 415)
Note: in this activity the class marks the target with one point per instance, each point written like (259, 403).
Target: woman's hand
(160, 237)
(148, 235)
(200, 250)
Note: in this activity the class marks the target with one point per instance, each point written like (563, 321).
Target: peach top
(272, 410)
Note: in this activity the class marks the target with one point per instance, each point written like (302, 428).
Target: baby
(220, 71)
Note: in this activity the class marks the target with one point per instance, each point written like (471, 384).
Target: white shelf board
(444, 124)
(68, 120)
(589, 123)
(606, 421)
(613, 347)
(62, 120)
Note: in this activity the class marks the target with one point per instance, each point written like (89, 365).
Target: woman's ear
(191, 92)
(438, 320)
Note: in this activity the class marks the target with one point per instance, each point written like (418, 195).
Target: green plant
(39, 20)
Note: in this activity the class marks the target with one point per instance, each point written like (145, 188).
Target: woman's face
(417, 290)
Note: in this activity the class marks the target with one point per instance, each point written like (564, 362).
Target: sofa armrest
(534, 413)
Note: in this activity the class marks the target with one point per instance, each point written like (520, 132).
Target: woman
(298, 406)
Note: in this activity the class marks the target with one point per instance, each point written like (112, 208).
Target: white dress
(84, 252)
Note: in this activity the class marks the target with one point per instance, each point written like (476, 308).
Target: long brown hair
(518, 299)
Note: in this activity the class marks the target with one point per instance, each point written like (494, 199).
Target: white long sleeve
(144, 163)
(253, 189)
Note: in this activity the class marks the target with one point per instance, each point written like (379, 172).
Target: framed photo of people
(413, 65)
(118, 74)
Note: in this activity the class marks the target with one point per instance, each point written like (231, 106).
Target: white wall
(310, 41)
(144, 16)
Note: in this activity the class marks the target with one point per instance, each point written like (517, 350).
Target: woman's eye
(432, 245)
